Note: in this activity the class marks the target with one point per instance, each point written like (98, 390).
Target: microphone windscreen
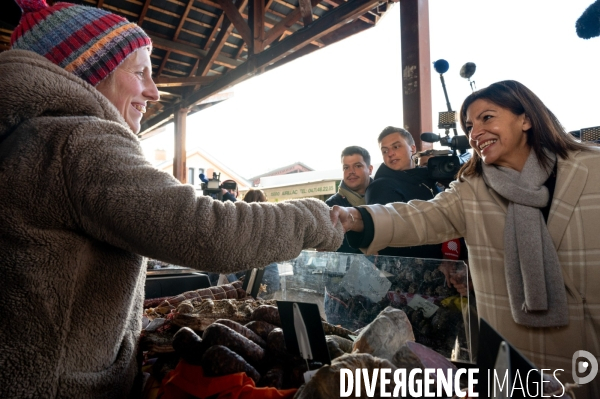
(467, 70)
(430, 137)
(588, 24)
(441, 66)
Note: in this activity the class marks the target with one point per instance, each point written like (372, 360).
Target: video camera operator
(227, 191)
(399, 180)
(230, 190)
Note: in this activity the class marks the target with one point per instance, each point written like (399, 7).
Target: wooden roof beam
(191, 51)
(144, 11)
(336, 3)
(210, 3)
(214, 32)
(226, 28)
(306, 11)
(270, 23)
(237, 20)
(324, 25)
(277, 30)
(321, 27)
(256, 14)
(163, 63)
(178, 82)
(183, 18)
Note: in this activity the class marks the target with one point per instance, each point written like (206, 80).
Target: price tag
(418, 302)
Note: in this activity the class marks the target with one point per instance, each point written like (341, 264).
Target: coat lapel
(570, 182)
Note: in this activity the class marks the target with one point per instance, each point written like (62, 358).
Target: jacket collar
(570, 182)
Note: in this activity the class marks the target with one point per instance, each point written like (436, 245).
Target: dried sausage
(218, 292)
(276, 343)
(219, 334)
(262, 328)
(205, 293)
(245, 331)
(267, 313)
(189, 345)
(241, 294)
(220, 360)
(237, 284)
(230, 291)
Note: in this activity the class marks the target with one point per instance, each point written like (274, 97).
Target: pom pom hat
(86, 41)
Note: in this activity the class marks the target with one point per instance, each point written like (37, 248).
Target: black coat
(402, 186)
(338, 199)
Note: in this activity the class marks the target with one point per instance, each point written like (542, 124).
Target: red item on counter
(188, 381)
(451, 249)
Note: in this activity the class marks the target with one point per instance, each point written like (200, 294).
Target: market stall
(403, 312)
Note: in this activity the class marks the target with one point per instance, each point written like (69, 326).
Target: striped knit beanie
(86, 41)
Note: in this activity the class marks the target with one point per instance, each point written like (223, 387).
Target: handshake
(350, 218)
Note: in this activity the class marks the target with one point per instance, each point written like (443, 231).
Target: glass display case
(352, 289)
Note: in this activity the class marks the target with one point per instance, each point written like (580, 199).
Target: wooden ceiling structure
(202, 47)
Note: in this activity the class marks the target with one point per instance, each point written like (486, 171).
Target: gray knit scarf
(354, 198)
(536, 289)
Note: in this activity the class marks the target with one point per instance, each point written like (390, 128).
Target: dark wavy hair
(354, 149)
(546, 131)
(255, 195)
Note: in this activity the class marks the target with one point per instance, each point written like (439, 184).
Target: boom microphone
(588, 24)
(467, 70)
(430, 137)
(441, 66)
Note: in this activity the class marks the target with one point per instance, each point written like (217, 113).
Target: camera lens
(449, 166)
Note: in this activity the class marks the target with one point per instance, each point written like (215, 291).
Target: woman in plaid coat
(528, 206)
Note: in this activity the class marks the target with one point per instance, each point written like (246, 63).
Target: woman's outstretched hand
(349, 217)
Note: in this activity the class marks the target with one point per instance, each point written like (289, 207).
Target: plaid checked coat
(472, 210)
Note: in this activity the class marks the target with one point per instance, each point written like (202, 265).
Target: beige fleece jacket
(79, 208)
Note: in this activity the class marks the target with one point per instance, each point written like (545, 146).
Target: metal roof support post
(416, 69)
(179, 158)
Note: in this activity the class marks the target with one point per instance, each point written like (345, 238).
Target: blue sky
(345, 94)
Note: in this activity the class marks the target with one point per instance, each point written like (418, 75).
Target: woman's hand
(349, 217)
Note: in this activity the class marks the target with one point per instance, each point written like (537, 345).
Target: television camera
(214, 188)
(445, 164)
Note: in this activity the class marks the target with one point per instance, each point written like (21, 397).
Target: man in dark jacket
(398, 180)
(356, 164)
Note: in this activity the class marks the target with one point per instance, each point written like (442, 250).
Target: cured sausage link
(245, 331)
(219, 334)
(262, 328)
(220, 360)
